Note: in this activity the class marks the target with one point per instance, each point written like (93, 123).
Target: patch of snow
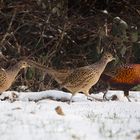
(32, 116)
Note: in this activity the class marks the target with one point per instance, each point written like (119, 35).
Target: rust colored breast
(127, 74)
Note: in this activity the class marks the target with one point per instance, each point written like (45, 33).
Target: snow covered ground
(32, 116)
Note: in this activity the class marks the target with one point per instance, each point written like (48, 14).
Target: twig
(9, 28)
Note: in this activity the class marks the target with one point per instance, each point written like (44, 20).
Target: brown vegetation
(63, 34)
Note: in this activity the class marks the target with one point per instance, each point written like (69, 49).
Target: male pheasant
(125, 78)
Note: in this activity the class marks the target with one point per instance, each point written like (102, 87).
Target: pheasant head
(23, 64)
(108, 57)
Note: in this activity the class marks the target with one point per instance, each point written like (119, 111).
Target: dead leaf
(59, 110)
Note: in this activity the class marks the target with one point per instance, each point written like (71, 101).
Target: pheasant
(125, 78)
(7, 76)
(79, 79)
(83, 78)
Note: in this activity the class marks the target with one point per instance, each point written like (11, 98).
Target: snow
(32, 116)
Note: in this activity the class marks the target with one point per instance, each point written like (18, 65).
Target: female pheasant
(83, 78)
(8, 76)
(79, 79)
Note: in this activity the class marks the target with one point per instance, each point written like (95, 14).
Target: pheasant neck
(13, 71)
(102, 64)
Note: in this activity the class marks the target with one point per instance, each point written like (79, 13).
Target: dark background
(62, 34)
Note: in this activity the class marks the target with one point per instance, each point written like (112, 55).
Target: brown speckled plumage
(77, 80)
(2, 77)
(82, 79)
(7, 76)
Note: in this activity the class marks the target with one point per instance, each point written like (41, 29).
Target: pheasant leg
(128, 98)
(126, 94)
(70, 99)
(104, 96)
(105, 93)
